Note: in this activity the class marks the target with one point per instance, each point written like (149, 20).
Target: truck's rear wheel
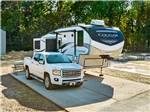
(27, 73)
(47, 82)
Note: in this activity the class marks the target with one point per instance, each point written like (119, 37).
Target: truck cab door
(40, 66)
(34, 65)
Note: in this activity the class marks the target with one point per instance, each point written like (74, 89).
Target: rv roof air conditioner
(98, 22)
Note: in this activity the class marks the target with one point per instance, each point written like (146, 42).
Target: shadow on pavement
(26, 96)
(92, 91)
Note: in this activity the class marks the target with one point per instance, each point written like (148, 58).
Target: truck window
(57, 58)
(36, 57)
(42, 58)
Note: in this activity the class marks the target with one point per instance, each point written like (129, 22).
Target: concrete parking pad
(123, 88)
(95, 94)
(138, 103)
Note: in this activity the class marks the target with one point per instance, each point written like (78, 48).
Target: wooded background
(25, 20)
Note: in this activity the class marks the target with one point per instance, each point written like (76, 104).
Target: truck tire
(79, 84)
(27, 73)
(47, 82)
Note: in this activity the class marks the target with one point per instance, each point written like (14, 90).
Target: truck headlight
(56, 72)
(83, 72)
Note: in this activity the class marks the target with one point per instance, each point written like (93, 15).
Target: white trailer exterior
(92, 41)
(84, 41)
(2, 42)
(97, 39)
(43, 43)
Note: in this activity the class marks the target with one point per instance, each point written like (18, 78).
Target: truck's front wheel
(27, 73)
(79, 84)
(47, 82)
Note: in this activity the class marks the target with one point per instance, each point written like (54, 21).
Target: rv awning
(61, 31)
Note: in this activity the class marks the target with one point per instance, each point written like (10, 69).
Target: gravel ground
(16, 97)
(125, 75)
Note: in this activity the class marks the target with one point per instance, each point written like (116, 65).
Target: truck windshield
(57, 58)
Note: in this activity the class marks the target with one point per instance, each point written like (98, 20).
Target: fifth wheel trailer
(84, 41)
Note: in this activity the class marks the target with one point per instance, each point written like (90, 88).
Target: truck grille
(67, 73)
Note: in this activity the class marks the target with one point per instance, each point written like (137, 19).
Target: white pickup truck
(53, 69)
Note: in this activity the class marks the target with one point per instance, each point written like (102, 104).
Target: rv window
(51, 45)
(37, 44)
(80, 40)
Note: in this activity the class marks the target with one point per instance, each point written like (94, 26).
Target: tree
(25, 20)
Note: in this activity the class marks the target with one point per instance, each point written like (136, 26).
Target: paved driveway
(96, 94)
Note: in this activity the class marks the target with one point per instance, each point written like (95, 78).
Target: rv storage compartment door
(51, 45)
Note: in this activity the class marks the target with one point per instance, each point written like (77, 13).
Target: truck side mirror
(41, 62)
